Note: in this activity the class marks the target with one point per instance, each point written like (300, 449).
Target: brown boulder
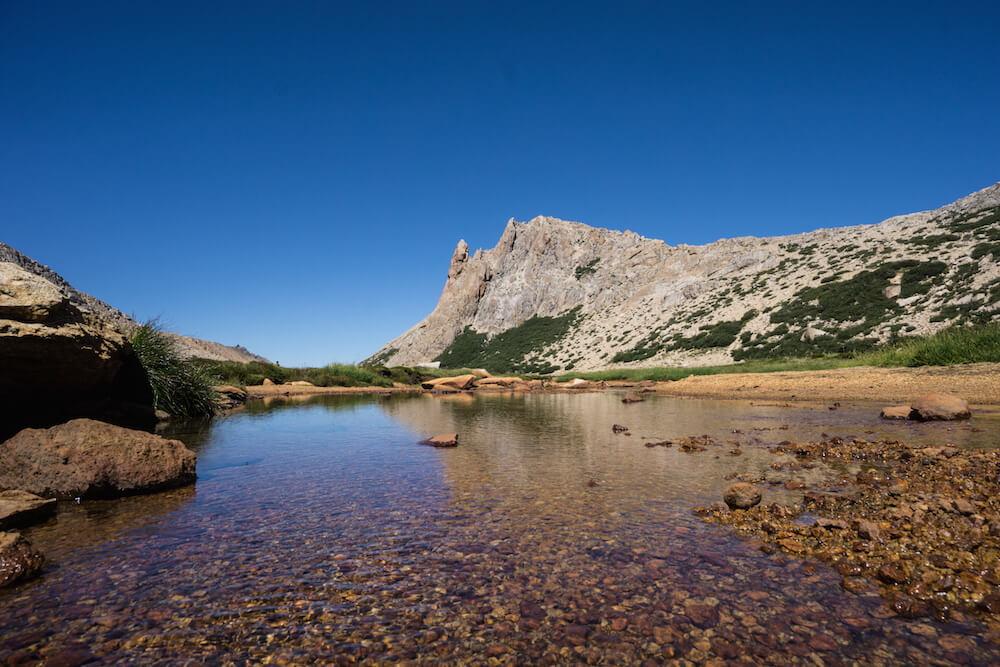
(497, 381)
(267, 382)
(60, 360)
(939, 407)
(895, 412)
(20, 508)
(443, 440)
(457, 382)
(18, 559)
(741, 495)
(632, 398)
(230, 396)
(87, 458)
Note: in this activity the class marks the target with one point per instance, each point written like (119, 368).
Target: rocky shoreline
(918, 525)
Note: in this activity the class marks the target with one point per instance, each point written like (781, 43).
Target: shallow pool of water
(320, 531)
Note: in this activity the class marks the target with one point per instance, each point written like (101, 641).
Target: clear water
(320, 531)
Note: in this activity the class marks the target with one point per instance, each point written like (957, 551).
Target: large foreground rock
(939, 407)
(60, 360)
(20, 508)
(18, 559)
(741, 496)
(86, 458)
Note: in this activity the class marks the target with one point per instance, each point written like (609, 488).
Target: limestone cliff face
(630, 287)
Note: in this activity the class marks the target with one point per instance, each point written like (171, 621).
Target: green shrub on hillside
(180, 386)
(509, 351)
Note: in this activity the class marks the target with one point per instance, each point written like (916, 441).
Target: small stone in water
(741, 495)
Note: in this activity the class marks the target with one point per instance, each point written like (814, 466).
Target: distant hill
(187, 346)
(555, 295)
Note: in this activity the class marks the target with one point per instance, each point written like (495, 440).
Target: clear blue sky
(293, 177)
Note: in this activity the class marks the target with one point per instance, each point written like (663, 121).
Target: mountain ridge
(642, 302)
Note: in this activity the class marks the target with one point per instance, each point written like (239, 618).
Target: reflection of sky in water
(311, 504)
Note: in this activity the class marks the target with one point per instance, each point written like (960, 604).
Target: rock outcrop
(115, 319)
(60, 360)
(87, 458)
(643, 302)
(20, 508)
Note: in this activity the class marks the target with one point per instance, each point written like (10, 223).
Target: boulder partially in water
(895, 412)
(18, 559)
(741, 495)
(87, 458)
(939, 407)
(456, 382)
(443, 440)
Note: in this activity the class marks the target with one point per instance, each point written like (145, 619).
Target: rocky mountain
(555, 295)
(187, 346)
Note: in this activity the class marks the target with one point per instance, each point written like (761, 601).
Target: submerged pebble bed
(320, 532)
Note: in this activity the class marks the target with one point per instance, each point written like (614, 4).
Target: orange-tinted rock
(939, 407)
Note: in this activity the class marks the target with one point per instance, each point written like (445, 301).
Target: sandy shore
(979, 384)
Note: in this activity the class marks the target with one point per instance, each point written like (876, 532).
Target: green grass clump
(332, 375)
(670, 374)
(180, 386)
(955, 345)
(511, 350)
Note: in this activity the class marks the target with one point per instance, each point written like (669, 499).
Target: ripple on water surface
(319, 531)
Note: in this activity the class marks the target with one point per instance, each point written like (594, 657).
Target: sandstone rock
(20, 508)
(577, 383)
(943, 407)
(456, 382)
(18, 559)
(497, 381)
(895, 412)
(480, 372)
(632, 398)
(443, 440)
(86, 458)
(61, 361)
(230, 396)
(301, 383)
(741, 495)
(267, 382)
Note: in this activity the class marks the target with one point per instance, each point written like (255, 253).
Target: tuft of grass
(955, 345)
(670, 374)
(180, 387)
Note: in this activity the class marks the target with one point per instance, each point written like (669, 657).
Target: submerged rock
(632, 398)
(231, 397)
(939, 407)
(18, 559)
(87, 458)
(20, 508)
(741, 495)
(443, 440)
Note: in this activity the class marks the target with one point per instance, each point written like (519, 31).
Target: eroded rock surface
(20, 508)
(60, 360)
(87, 458)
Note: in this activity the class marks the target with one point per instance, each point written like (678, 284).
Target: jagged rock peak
(642, 301)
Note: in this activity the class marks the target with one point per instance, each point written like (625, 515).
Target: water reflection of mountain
(548, 448)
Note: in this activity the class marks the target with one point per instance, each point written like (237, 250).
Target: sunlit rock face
(928, 270)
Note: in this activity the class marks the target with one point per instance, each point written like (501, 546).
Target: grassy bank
(180, 386)
(957, 345)
(331, 375)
